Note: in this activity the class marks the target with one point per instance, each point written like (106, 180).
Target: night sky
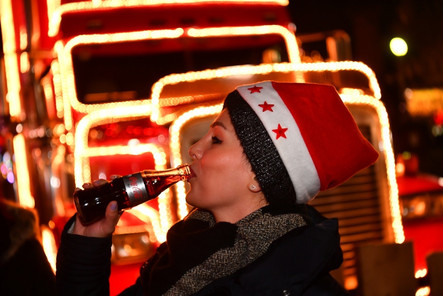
(371, 25)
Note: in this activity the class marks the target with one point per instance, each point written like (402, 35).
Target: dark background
(371, 25)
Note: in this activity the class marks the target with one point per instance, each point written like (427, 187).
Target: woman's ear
(254, 187)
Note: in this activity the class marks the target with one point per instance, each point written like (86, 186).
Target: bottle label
(135, 188)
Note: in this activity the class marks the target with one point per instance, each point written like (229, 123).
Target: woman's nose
(195, 151)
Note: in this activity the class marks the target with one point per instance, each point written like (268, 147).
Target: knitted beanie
(299, 138)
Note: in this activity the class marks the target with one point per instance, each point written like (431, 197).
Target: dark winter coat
(24, 268)
(297, 263)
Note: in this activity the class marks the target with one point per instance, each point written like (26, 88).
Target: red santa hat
(298, 137)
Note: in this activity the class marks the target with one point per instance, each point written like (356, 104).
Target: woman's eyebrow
(218, 123)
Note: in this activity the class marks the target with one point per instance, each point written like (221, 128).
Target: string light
(49, 246)
(288, 35)
(423, 291)
(11, 60)
(421, 273)
(56, 10)
(58, 92)
(48, 90)
(387, 150)
(263, 69)
(145, 213)
(58, 169)
(25, 197)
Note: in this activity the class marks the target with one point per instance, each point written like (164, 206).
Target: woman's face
(222, 174)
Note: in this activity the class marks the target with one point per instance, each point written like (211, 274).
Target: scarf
(199, 251)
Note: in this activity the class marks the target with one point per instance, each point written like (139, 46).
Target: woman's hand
(104, 227)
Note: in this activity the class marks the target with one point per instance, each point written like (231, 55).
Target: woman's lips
(192, 173)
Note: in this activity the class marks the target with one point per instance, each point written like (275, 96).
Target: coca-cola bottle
(128, 191)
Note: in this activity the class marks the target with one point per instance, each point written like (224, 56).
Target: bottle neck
(183, 171)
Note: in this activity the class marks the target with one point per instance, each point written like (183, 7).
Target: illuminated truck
(97, 88)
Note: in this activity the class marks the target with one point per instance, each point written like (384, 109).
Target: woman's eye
(216, 140)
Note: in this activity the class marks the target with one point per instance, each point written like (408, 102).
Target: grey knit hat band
(261, 152)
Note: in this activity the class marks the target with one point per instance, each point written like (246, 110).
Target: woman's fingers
(103, 228)
(95, 183)
(111, 218)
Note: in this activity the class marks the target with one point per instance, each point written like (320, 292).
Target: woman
(270, 151)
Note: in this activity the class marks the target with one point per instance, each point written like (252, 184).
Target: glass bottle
(128, 191)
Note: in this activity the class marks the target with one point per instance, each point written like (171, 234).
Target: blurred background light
(398, 46)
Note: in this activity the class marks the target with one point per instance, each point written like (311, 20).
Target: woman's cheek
(218, 160)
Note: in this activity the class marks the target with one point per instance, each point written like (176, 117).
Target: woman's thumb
(112, 215)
